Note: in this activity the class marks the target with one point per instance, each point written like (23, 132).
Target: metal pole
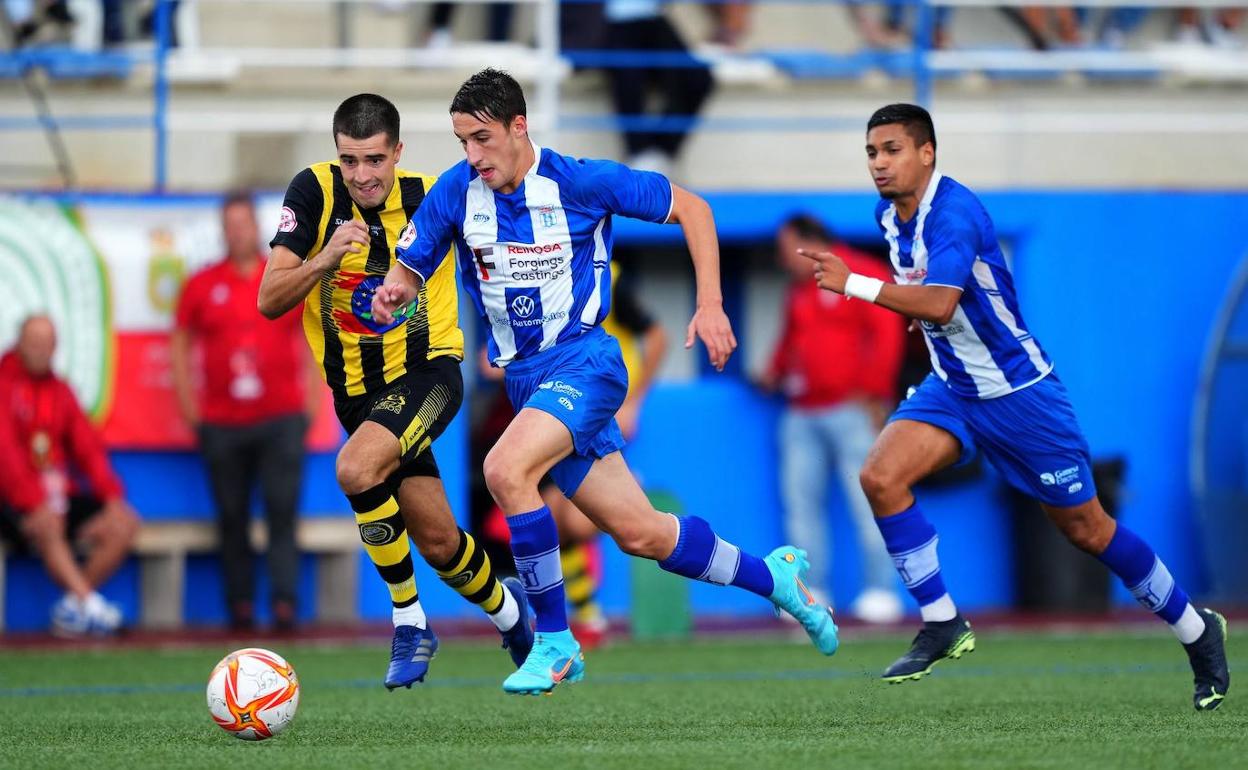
(548, 75)
(924, 29)
(160, 107)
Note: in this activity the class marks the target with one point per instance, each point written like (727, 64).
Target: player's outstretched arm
(288, 277)
(935, 304)
(400, 287)
(709, 323)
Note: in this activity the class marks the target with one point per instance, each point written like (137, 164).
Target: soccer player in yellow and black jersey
(396, 385)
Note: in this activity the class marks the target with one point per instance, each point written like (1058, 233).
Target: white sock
(1189, 626)
(940, 610)
(411, 615)
(508, 614)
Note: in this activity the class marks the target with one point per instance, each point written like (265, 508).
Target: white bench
(162, 548)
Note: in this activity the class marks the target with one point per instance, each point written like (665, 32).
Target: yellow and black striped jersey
(358, 355)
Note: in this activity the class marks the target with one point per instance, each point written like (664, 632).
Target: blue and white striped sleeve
(952, 242)
(428, 236)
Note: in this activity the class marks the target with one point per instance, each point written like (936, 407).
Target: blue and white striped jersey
(535, 261)
(985, 351)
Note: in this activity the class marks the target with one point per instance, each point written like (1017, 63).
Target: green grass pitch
(1020, 700)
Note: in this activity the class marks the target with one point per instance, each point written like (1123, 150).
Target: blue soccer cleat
(518, 640)
(556, 657)
(788, 565)
(410, 652)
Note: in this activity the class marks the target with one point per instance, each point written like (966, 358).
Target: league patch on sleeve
(408, 236)
(288, 221)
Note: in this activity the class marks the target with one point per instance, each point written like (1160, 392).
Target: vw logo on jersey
(522, 306)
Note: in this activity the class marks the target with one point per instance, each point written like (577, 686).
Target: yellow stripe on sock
(383, 511)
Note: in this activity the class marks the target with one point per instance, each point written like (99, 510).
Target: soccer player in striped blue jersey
(532, 230)
(993, 387)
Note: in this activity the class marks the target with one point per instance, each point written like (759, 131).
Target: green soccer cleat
(937, 641)
(1207, 655)
(556, 657)
(788, 565)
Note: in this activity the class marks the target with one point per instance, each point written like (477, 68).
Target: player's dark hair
(365, 115)
(914, 119)
(490, 95)
(239, 197)
(807, 227)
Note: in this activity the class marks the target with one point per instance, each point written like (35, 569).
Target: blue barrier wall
(1120, 287)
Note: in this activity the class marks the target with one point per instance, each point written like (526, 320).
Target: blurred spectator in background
(114, 21)
(36, 22)
(731, 20)
(836, 363)
(683, 83)
(874, 33)
(251, 413)
(1212, 26)
(58, 492)
(499, 24)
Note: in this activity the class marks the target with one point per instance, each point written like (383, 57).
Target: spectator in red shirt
(57, 489)
(251, 411)
(836, 362)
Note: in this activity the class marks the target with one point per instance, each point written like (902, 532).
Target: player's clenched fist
(390, 297)
(349, 237)
(831, 272)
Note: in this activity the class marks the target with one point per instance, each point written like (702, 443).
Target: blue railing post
(164, 29)
(924, 30)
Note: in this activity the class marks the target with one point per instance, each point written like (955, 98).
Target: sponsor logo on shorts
(391, 402)
(559, 386)
(1073, 488)
(566, 403)
(1064, 476)
(376, 533)
(288, 222)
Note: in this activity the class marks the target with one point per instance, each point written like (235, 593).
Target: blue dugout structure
(1122, 288)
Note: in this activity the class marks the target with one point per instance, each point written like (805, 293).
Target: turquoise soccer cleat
(556, 657)
(788, 565)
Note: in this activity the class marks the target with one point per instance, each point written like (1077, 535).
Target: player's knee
(355, 474)
(41, 530)
(878, 483)
(635, 539)
(505, 480)
(1089, 531)
(124, 527)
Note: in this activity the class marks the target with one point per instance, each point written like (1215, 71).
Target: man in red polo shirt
(58, 492)
(836, 362)
(251, 410)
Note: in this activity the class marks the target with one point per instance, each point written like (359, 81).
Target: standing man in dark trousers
(251, 412)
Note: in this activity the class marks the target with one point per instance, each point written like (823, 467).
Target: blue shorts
(581, 383)
(1031, 436)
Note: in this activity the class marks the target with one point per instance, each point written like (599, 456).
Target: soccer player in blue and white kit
(532, 230)
(992, 387)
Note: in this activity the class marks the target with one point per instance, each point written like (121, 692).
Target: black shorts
(82, 508)
(416, 408)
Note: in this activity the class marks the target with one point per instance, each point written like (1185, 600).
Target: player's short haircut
(490, 95)
(365, 115)
(914, 119)
(808, 227)
(239, 197)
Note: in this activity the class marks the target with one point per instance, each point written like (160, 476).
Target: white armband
(863, 287)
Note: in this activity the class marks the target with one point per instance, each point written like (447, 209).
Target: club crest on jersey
(547, 216)
(288, 222)
(408, 236)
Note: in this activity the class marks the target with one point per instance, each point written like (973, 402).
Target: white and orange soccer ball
(253, 694)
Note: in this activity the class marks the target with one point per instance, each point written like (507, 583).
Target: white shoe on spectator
(104, 616)
(69, 617)
(652, 160)
(877, 605)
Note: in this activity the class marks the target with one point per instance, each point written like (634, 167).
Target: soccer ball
(253, 694)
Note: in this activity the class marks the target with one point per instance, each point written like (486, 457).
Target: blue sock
(911, 540)
(702, 555)
(1144, 575)
(535, 545)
